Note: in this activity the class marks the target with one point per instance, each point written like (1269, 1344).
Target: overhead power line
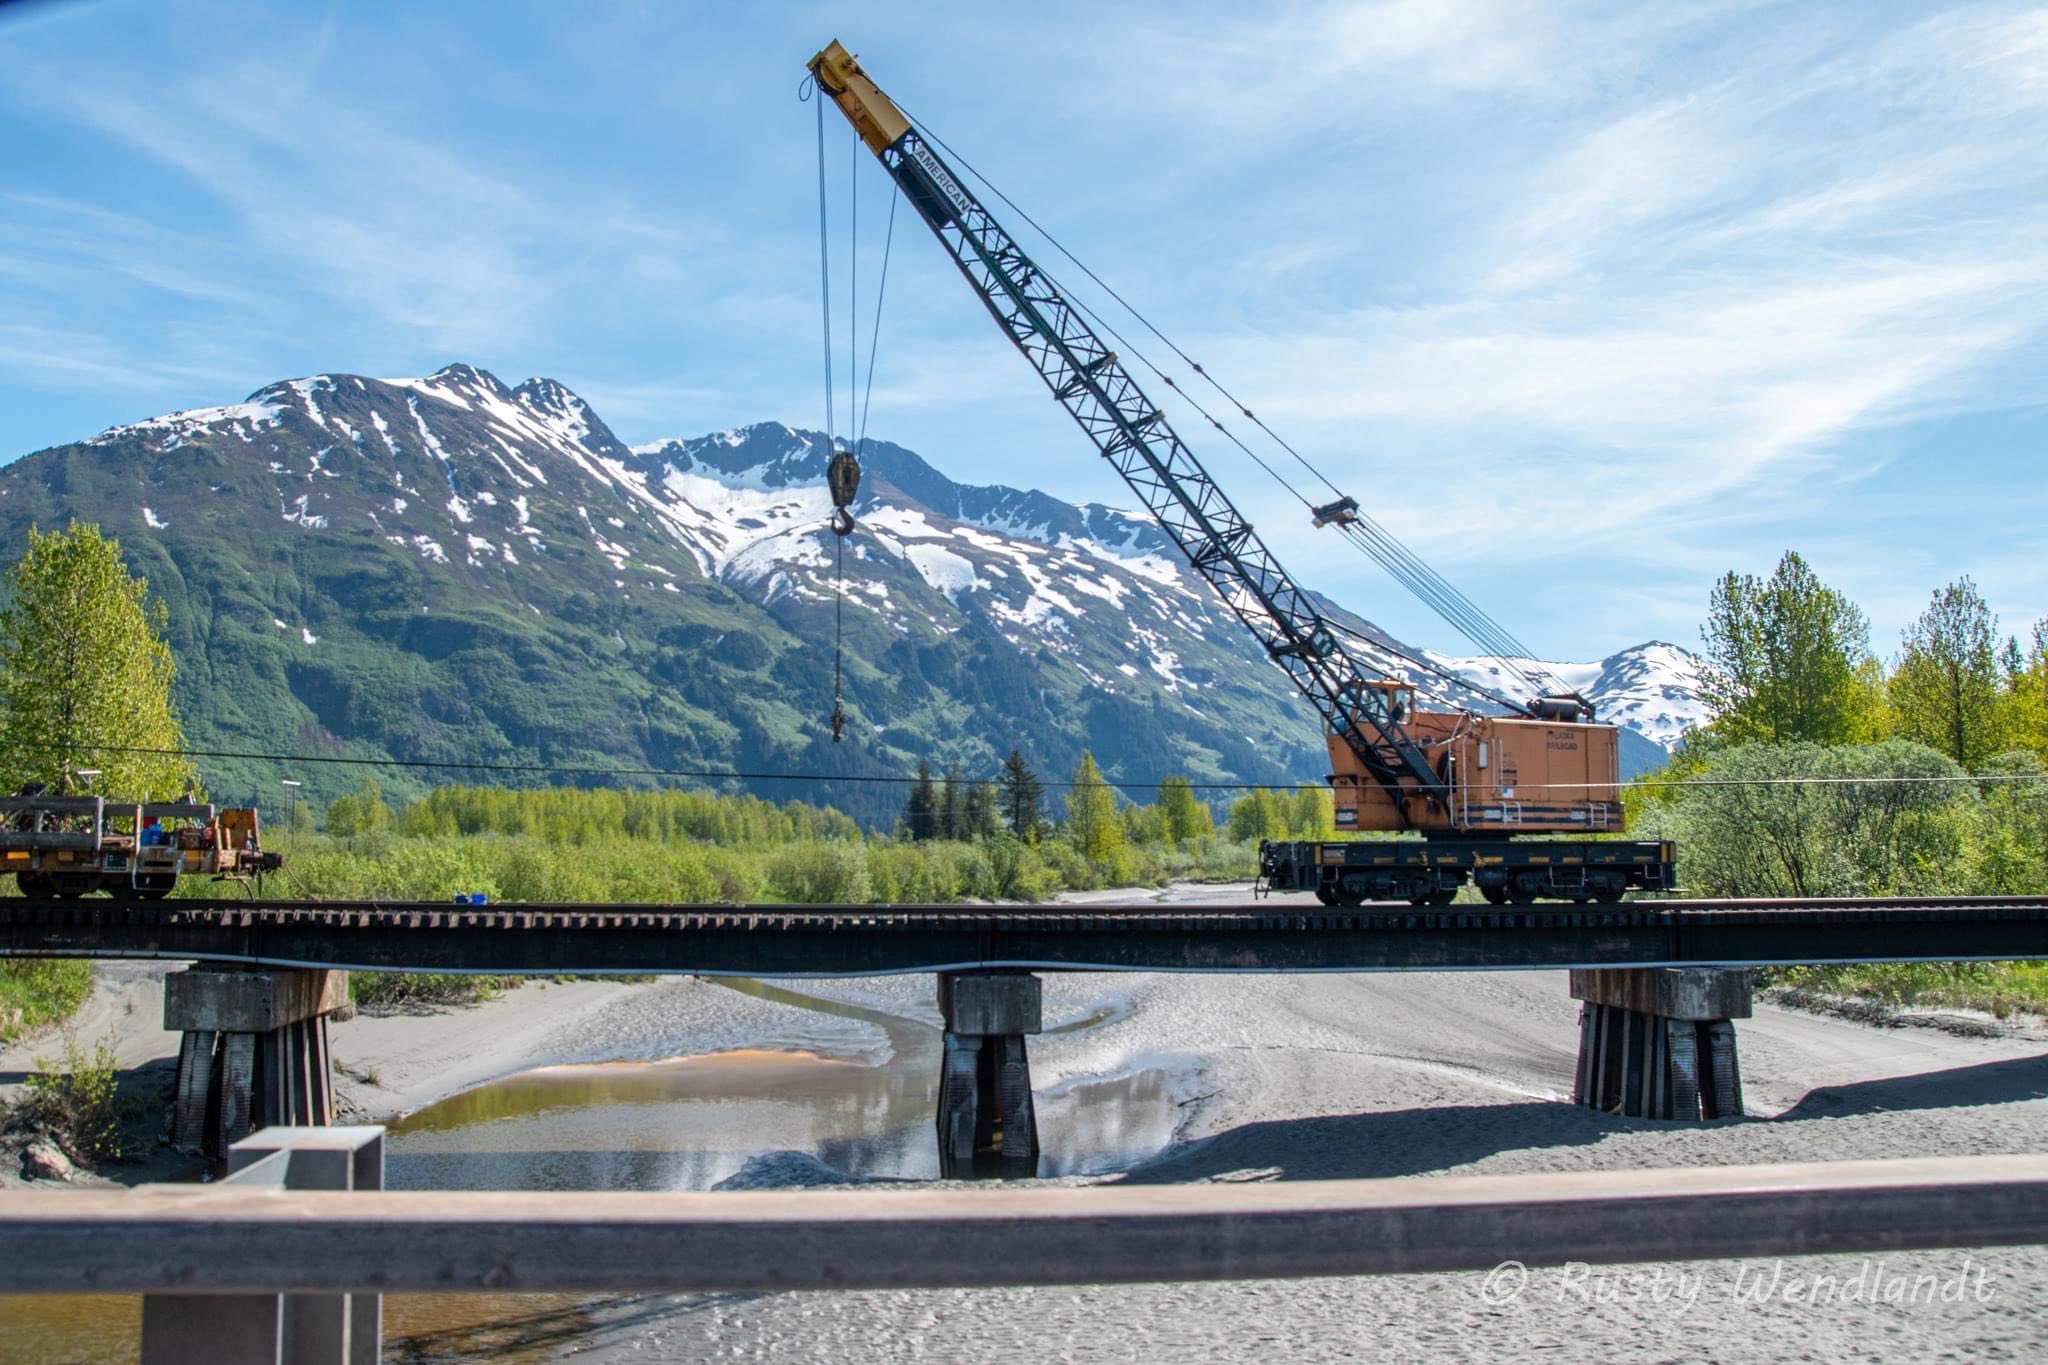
(894, 780)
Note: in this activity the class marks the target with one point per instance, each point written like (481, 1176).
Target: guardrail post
(1659, 1043)
(255, 1052)
(987, 1122)
(278, 1329)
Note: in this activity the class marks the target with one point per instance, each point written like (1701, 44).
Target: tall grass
(36, 994)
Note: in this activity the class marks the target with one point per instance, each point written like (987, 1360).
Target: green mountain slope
(451, 570)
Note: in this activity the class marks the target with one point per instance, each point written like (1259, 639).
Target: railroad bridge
(1661, 982)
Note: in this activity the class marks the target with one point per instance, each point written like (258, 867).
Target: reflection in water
(688, 1124)
(684, 1124)
(69, 1329)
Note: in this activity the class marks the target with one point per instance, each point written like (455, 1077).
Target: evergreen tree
(953, 806)
(981, 811)
(85, 672)
(1781, 658)
(1021, 796)
(922, 812)
(1092, 821)
(1945, 692)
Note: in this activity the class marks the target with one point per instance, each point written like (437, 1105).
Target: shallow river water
(686, 1123)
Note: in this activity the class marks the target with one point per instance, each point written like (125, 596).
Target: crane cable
(842, 521)
(842, 470)
(1367, 535)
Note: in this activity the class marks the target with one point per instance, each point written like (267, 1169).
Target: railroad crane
(1476, 787)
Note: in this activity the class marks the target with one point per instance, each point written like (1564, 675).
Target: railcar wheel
(1522, 893)
(1495, 895)
(1610, 896)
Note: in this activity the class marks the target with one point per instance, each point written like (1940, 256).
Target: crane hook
(842, 478)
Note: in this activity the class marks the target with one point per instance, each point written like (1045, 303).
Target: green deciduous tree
(2026, 705)
(1021, 794)
(1808, 820)
(1312, 813)
(1945, 692)
(84, 671)
(1092, 822)
(1782, 659)
(1258, 814)
(2009, 855)
(1186, 817)
(360, 812)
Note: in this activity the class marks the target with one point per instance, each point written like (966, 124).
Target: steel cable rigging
(843, 469)
(1360, 528)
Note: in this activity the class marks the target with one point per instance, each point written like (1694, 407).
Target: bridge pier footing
(1659, 1043)
(254, 1053)
(987, 1123)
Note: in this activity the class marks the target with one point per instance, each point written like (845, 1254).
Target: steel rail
(858, 940)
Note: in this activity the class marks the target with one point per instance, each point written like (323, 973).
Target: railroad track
(833, 940)
(532, 914)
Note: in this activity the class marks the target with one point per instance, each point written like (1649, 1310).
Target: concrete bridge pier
(987, 1125)
(1659, 1043)
(254, 1053)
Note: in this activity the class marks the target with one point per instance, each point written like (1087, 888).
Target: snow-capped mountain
(456, 569)
(1652, 688)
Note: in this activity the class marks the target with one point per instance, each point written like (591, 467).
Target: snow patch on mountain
(1652, 688)
(242, 420)
(951, 573)
(1102, 588)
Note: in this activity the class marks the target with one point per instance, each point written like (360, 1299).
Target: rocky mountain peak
(451, 566)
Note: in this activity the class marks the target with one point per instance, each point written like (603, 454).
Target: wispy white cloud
(1703, 294)
(1692, 264)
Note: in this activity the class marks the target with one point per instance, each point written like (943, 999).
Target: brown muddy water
(686, 1123)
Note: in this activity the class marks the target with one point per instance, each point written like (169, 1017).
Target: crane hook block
(842, 477)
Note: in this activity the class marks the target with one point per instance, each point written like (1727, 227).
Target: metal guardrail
(265, 1327)
(283, 1260)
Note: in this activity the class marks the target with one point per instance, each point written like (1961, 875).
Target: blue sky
(1589, 303)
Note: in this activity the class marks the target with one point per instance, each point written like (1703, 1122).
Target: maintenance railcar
(68, 846)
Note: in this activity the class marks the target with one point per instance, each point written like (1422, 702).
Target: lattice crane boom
(1086, 378)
